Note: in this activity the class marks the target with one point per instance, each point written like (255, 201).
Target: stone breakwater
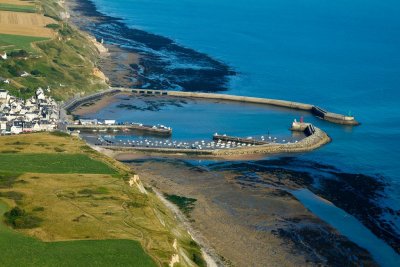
(315, 110)
(312, 142)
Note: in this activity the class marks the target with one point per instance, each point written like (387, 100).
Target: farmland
(26, 24)
(81, 215)
(50, 163)
(9, 42)
(28, 251)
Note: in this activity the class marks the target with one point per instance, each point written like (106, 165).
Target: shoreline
(150, 67)
(257, 216)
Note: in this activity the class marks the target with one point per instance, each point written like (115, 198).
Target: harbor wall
(77, 101)
(312, 142)
(315, 110)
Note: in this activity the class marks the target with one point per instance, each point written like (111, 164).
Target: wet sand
(252, 224)
(94, 105)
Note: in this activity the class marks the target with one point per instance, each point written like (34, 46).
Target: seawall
(312, 142)
(77, 101)
(316, 111)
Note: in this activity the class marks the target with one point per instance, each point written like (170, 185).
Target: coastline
(136, 67)
(257, 216)
(108, 62)
(146, 55)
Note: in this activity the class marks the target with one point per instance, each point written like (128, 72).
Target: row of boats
(200, 145)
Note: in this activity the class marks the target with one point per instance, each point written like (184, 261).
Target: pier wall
(316, 111)
(312, 142)
(77, 101)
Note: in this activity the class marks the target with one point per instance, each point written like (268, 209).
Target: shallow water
(349, 227)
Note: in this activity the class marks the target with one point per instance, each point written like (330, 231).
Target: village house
(38, 113)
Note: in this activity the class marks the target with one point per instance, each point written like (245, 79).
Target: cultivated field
(96, 214)
(27, 24)
(15, 42)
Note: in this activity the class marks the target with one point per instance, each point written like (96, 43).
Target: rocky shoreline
(253, 212)
(141, 59)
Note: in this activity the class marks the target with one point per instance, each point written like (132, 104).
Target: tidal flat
(238, 208)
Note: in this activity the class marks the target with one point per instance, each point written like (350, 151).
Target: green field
(9, 42)
(18, 8)
(20, 250)
(53, 163)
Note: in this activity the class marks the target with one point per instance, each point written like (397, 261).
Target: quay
(315, 110)
(251, 141)
(164, 131)
(309, 143)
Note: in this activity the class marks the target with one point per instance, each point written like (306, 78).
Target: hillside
(63, 203)
(43, 50)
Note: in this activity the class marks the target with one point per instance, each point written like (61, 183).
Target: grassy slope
(90, 206)
(65, 63)
(28, 251)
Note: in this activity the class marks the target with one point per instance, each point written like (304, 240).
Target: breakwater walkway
(312, 142)
(315, 110)
(125, 127)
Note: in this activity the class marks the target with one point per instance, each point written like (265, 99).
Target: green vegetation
(9, 42)
(7, 179)
(53, 163)
(20, 219)
(84, 199)
(185, 204)
(18, 8)
(20, 250)
(53, 26)
(65, 65)
(97, 191)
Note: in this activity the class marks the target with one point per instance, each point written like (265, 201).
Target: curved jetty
(317, 139)
(316, 111)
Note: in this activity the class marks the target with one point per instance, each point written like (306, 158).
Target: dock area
(240, 140)
(95, 126)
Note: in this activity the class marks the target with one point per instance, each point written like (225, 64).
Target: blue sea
(341, 55)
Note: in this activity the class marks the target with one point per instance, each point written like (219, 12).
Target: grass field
(76, 196)
(9, 42)
(53, 163)
(20, 250)
(17, 8)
